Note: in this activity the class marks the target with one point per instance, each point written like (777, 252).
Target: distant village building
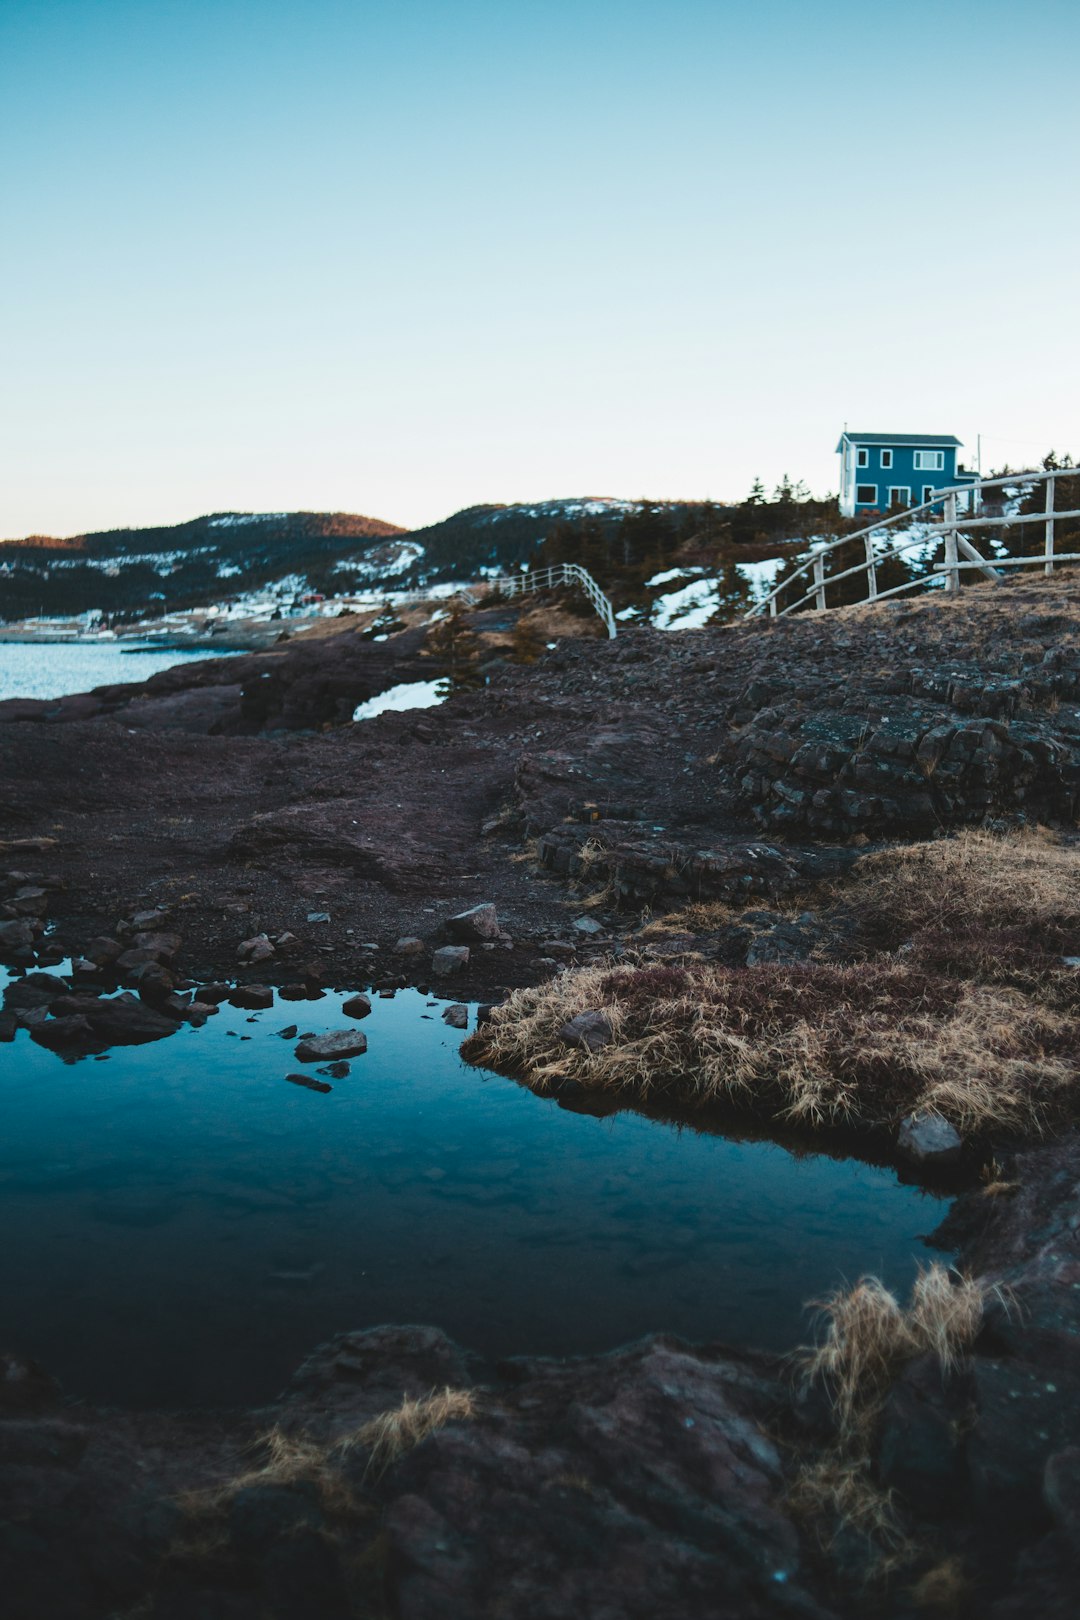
(879, 471)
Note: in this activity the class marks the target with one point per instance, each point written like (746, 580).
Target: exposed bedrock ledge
(648, 1482)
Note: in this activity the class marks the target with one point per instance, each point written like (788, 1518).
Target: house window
(929, 461)
(899, 495)
(862, 458)
(866, 494)
(928, 492)
(886, 459)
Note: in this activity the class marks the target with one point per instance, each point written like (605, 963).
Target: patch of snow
(409, 695)
(232, 520)
(228, 570)
(687, 609)
(760, 576)
(669, 574)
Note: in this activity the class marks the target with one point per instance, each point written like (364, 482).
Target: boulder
(64, 1034)
(256, 949)
(122, 1020)
(357, 1006)
(252, 997)
(457, 1016)
(929, 1140)
(337, 1043)
(449, 959)
(102, 950)
(590, 1030)
(479, 923)
(163, 946)
(409, 945)
(16, 935)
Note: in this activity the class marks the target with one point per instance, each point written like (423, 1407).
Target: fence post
(819, 581)
(952, 572)
(871, 568)
(772, 607)
(1048, 565)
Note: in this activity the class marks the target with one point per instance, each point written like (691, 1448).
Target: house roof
(898, 438)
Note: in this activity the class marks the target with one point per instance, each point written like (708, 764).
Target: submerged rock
(457, 1016)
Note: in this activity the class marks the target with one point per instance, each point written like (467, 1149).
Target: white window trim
(862, 458)
(928, 493)
(897, 490)
(886, 465)
(937, 464)
(858, 498)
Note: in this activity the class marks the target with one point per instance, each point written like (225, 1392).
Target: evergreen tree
(456, 650)
(386, 624)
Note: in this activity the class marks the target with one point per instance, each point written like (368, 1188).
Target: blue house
(880, 471)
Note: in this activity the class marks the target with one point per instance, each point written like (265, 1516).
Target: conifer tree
(456, 650)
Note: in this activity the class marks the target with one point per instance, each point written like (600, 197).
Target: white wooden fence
(935, 519)
(533, 579)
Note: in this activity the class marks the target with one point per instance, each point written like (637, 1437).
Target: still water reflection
(181, 1225)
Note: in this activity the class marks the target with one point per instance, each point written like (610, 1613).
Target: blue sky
(398, 258)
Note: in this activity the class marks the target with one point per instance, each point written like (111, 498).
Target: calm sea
(41, 670)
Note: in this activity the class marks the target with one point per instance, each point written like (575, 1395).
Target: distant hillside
(129, 571)
(677, 562)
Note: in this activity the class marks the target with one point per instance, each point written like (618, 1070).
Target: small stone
(337, 1043)
(457, 1016)
(148, 919)
(357, 1006)
(929, 1139)
(256, 949)
(588, 925)
(590, 1030)
(449, 959)
(409, 945)
(318, 916)
(478, 923)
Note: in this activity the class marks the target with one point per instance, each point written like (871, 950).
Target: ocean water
(182, 1224)
(53, 669)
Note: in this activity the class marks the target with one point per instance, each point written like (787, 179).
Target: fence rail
(529, 580)
(942, 520)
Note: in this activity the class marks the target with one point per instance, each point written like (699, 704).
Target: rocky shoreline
(222, 825)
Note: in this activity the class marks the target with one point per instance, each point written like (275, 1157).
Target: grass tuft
(390, 1435)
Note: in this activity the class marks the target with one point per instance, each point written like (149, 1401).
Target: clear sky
(402, 257)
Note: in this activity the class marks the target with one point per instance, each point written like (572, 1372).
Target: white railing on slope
(533, 579)
(941, 519)
(547, 579)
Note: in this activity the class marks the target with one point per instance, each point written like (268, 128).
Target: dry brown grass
(974, 882)
(389, 1436)
(808, 1043)
(296, 1459)
(868, 1338)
